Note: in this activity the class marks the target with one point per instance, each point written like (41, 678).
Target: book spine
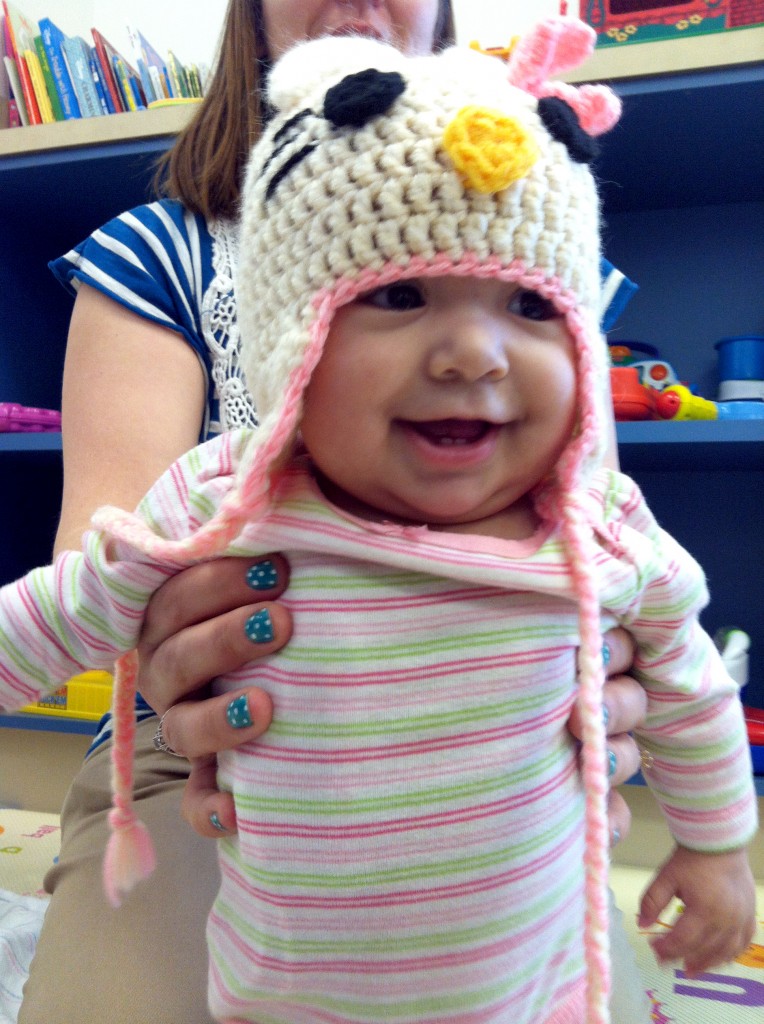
(14, 119)
(104, 99)
(146, 84)
(107, 72)
(30, 100)
(52, 38)
(18, 95)
(50, 84)
(177, 75)
(78, 63)
(158, 82)
(38, 84)
(120, 72)
(135, 84)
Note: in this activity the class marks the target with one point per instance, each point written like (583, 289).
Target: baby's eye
(399, 297)
(532, 306)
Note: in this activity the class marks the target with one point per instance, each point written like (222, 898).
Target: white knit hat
(375, 167)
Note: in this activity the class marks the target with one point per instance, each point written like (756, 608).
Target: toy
(631, 399)
(677, 402)
(25, 419)
(741, 367)
(646, 387)
(754, 723)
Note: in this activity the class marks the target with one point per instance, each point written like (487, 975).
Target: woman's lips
(356, 28)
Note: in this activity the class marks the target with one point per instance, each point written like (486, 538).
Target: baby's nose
(489, 149)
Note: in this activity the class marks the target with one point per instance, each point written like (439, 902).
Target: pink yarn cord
(129, 854)
(577, 532)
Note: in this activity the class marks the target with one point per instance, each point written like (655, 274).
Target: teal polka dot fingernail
(612, 763)
(259, 627)
(238, 714)
(262, 576)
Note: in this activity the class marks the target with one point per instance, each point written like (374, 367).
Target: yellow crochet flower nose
(489, 149)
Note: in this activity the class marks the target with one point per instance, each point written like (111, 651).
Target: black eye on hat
(561, 121)
(360, 97)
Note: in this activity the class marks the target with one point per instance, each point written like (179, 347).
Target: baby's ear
(302, 76)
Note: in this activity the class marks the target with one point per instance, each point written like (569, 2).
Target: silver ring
(160, 743)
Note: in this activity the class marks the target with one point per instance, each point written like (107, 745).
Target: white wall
(193, 34)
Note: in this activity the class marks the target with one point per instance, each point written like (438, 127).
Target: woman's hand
(626, 704)
(211, 619)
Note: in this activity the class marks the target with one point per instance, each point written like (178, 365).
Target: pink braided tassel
(129, 855)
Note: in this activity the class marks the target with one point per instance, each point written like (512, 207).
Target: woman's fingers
(618, 651)
(623, 759)
(201, 729)
(204, 591)
(207, 621)
(625, 707)
(186, 662)
(619, 817)
(208, 811)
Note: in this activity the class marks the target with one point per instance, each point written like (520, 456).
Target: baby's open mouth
(447, 433)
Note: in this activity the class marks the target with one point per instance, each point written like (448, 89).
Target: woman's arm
(133, 401)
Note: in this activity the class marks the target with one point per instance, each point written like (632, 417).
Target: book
(11, 69)
(5, 85)
(50, 84)
(137, 90)
(159, 82)
(123, 80)
(38, 85)
(20, 34)
(77, 56)
(104, 52)
(177, 75)
(141, 49)
(52, 38)
(33, 110)
(104, 97)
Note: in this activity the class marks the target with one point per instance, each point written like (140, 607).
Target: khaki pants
(146, 963)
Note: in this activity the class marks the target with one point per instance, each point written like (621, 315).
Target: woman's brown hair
(204, 167)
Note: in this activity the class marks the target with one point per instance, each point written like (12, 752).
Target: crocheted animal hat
(375, 168)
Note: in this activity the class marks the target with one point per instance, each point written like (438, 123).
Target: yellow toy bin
(85, 696)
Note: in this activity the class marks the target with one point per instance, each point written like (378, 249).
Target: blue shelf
(49, 723)
(703, 444)
(31, 442)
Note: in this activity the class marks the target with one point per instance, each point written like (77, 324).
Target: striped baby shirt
(410, 828)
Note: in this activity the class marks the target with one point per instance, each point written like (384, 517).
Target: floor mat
(29, 844)
(733, 994)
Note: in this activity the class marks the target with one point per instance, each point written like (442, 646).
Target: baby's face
(441, 400)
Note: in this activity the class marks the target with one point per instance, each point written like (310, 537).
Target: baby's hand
(719, 918)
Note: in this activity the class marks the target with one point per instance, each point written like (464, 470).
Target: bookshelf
(684, 216)
(94, 131)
